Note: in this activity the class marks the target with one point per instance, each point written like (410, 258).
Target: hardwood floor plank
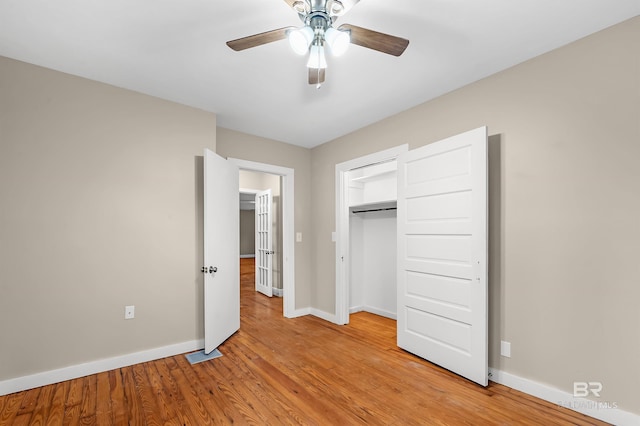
(72, 405)
(119, 406)
(166, 407)
(279, 371)
(28, 402)
(56, 414)
(175, 402)
(134, 403)
(89, 398)
(103, 399)
(22, 419)
(143, 389)
(12, 403)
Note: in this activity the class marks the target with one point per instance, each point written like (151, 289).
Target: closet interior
(372, 192)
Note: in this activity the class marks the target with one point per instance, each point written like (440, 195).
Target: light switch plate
(505, 349)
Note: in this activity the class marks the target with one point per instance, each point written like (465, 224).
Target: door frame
(288, 234)
(342, 223)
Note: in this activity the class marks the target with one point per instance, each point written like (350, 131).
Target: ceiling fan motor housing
(319, 22)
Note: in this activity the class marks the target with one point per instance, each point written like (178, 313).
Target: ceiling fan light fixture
(336, 8)
(337, 40)
(300, 39)
(301, 7)
(317, 59)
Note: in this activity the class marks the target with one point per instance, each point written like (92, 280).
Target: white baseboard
(60, 375)
(355, 309)
(380, 312)
(278, 292)
(603, 410)
(373, 310)
(324, 315)
(299, 313)
(247, 256)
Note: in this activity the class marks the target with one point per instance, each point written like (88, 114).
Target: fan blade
(381, 42)
(316, 76)
(258, 39)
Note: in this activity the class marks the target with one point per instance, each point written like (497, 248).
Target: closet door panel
(442, 253)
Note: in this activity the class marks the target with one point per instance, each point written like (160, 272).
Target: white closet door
(442, 253)
(221, 251)
(264, 252)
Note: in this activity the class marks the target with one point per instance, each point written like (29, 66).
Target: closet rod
(374, 210)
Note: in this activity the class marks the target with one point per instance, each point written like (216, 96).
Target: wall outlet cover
(129, 312)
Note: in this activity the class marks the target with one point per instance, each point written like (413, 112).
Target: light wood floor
(285, 371)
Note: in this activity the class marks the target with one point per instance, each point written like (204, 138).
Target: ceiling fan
(318, 33)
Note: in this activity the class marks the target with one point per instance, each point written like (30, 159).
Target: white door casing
(343, 257)
(221, 251)
(442, 253)
(264, 253)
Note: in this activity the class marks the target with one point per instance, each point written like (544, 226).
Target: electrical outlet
(129, 312)
(298, 237)
(505, 349)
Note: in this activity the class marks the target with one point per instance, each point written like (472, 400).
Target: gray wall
(247, 232)
(101, 207)
(564, 208)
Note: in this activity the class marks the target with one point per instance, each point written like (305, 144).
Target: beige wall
(253, 148)
(100, 207)
(564, 208)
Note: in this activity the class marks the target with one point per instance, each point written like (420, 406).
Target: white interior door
(442, 253)
(264, 252)
(221, 251)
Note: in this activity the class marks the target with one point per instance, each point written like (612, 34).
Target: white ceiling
(175, 49)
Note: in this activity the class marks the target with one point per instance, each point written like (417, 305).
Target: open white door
(221, 251)
(442, 253)
(264, 254)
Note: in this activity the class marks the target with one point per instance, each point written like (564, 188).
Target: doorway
(261, 228)
(286, 177)
(344, 201)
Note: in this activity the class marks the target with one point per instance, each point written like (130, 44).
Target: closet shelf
(374, 176)
(378, 205)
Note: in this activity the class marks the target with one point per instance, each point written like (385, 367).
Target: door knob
(213, 269)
